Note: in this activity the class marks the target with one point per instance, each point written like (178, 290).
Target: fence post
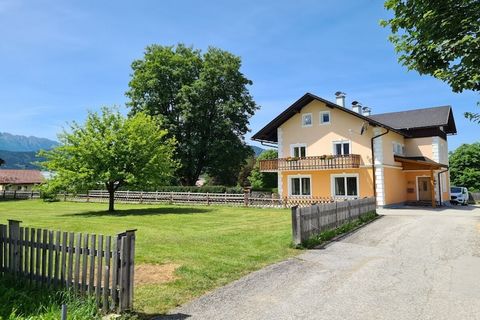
(88, 195)
(208, 199)
(14, 194)
(64, 196)
(4, 193)
(245, 199)
(126, 269)
(296, 226)
(13, 235)
(171, 197)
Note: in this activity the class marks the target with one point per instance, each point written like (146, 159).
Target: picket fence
(231, 199)
(97, 265)
(312, 220)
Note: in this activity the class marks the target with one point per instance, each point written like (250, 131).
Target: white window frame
(334, 149)
(299, 176)
(297, 145)
(303, 122)
(320, 120)
(396, 144)
(345, 176)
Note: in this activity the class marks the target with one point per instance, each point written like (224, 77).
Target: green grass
(211, 245)
(21, 301)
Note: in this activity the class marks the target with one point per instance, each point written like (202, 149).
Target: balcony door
(341, 148)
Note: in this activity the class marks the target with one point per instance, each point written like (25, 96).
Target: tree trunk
(111, 199)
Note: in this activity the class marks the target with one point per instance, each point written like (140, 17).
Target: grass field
(183, 251)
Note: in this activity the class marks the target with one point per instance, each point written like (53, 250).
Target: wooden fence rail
(19, 195)
(98, 265)
(232, 199)
(312, 220)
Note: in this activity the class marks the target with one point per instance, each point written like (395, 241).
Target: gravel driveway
(410, 264)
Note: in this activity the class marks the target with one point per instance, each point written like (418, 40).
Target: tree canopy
(2, 162)
(260, 179)
(204, 103)
(439, 38)
(465, 166)
(113, 151)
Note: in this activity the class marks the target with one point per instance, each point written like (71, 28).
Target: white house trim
(296, 145)
(280, 183)
(311, 118)
(436, 149)
(334, 142)
(280, 142)
(290, 177)
(344, 175)
(379, 167)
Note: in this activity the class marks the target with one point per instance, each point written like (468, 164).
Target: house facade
(327, 150)
(20, 180)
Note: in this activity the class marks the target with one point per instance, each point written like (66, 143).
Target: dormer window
(325, 117)
(307, 120)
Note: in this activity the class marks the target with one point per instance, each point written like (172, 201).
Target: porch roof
(419, 163)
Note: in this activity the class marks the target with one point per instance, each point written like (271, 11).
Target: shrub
(203, 189)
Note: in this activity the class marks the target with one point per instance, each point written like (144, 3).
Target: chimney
(340, 98)
(366, 111)
(356, 107)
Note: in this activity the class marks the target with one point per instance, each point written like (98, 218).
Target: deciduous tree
(203, 101)
(439, 38)
(465, 166)
(260, 179)
(112, 150)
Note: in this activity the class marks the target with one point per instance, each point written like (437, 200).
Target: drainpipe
(440, 185)
(373, 162)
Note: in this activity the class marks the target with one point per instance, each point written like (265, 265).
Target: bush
(203, 189)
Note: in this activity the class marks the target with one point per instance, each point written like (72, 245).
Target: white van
(459, 195)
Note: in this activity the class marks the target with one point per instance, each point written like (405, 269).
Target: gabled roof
(8, 176)
(269, 132)
(419, 118)
(400, 122)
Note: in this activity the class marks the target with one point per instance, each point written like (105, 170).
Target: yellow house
(327, 150)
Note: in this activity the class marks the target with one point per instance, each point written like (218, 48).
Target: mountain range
(19, 152)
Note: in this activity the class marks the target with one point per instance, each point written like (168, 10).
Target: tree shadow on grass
(141, 212)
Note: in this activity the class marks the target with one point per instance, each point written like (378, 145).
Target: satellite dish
(363, 128)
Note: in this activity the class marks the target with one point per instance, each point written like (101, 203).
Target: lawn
(183, 251)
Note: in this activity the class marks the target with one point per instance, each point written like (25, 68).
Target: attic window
(398, 149)
(325, 117)
(307, 120)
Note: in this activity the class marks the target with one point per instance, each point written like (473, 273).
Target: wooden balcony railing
(311, 163)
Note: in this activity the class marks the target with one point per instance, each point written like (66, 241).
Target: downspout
(373, 163)
(440, 185)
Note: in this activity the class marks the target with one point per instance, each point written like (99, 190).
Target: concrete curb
(344, 235)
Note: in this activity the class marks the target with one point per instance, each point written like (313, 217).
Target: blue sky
(59, 59)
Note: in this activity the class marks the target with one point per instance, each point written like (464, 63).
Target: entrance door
(424, 191)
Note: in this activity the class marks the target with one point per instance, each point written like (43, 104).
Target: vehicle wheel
(464, 204)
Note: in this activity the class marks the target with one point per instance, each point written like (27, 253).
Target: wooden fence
(19, 195)
(232, 199)
(312, 220)
(101, 266)
(474, 197)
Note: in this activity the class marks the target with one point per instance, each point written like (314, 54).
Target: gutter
(373, 161)
(440, 185)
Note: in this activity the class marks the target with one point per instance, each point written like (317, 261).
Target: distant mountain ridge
(19, 152)
(18, 143)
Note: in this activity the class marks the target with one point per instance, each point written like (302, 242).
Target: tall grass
(21, 301)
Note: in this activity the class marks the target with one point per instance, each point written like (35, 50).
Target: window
(345, 186)
(325, 117)
(341, 147)
(300, 186)
(398, 149)
(298, 150)
(307, 120)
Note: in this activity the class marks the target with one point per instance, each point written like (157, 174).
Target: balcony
(311, 163)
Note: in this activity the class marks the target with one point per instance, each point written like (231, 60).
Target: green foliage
(465, 166)
(110, 150)
(261, 180)
(21, 301)
(203, 189)
(246, 171)
(203, 101)
(344, 228)
(2, 162)
(439, 38)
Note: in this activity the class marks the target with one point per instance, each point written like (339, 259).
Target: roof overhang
(419, 163)
(269, 132)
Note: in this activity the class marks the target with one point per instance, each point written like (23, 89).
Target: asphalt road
(409, 264)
